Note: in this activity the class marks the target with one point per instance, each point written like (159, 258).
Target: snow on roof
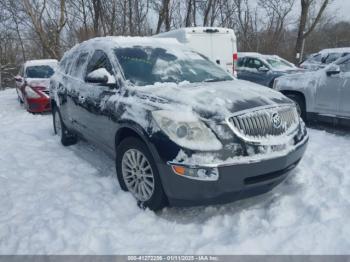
(201, 29)
(49, 62)
(336, 50)
(257, 55)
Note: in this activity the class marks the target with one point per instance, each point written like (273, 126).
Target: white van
(217, 43)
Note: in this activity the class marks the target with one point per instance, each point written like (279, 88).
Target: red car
(32, 84)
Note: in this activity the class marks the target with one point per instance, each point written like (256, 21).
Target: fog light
(205, 174)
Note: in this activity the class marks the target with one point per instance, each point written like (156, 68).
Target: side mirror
(333, 70)
(100, 76)
(263, 69)
(18, 79)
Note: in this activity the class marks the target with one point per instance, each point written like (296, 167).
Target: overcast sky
(341, 8)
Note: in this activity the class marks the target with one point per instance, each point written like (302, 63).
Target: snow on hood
(212, 100)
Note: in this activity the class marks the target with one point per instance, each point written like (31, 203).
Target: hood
(41, 83)
(211, 100)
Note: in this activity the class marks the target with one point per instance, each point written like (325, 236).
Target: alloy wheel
(138, 174)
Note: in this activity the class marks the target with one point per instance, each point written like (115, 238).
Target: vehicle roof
(38, 62)
(336, 50)
(201, 29)
(257, 55)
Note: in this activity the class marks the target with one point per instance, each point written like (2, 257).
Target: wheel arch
(297, 93)
(132, 129)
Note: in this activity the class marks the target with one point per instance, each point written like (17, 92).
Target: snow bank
(57, 200)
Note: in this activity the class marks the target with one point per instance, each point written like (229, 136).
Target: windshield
(42, 71)
(147, 65)
(279, 64)
(332, 57)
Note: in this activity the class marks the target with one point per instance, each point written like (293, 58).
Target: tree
(303, 31)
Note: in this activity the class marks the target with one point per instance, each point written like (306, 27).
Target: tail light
(234, 64)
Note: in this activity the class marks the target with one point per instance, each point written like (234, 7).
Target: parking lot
(58, 200)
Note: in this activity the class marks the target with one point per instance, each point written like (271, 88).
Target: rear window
(42, 71)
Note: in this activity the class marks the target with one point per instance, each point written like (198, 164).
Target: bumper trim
(241, 160)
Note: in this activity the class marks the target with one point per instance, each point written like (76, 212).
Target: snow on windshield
(144, 65)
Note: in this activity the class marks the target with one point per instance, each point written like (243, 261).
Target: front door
(328, 94)
(95, 103)
(345, 89)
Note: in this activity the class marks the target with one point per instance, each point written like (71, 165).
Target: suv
(321, 95)
(324, 57)
(263, 69)
(181, 130)
(32, 82)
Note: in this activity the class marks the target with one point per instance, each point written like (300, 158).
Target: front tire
(67, 138)
(138, 174)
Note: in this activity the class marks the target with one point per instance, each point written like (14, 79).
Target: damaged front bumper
(236, 178)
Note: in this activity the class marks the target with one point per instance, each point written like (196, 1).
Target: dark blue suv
(263, 69)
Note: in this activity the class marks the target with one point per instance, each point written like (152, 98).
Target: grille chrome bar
(265, 125)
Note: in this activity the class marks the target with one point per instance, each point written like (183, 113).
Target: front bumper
(38, 105)
(236, 181)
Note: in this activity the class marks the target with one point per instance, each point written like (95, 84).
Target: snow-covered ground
(57, 200)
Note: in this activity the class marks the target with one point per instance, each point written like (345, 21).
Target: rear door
(219, 47)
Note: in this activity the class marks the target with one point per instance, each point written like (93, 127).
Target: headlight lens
(186, 130)
(31, 93)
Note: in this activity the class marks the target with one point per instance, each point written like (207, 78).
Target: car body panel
(249, 65)
(324, 94)
(101, 113)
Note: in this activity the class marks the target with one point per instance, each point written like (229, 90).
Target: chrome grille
(260, 124)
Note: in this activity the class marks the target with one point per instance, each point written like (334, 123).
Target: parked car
(324, 58)
(321, 95)
(263, 69)
(181, 130)
(32, 84)
(217, 43)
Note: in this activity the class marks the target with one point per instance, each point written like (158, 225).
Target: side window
(99, 60)
(241, 62)
(79, 66)
(345, 66)
(258, 64)
(249, 62)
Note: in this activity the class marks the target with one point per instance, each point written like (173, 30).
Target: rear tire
(138, 174)
(300, 104)
(67, 138)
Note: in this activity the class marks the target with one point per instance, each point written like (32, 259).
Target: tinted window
(241, 62)
(148, 65)
(99, 60)
(332, 57)
(79, 66)
(345, 66)
(254, 63)
(42, 71)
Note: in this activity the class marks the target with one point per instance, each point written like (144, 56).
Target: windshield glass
(42, 71)
(279, 64)
(147, 65)
(332, 57)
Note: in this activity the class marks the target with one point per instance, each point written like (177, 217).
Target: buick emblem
(276, 120)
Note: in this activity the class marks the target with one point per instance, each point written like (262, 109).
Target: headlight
(31, 93)
(186, 130)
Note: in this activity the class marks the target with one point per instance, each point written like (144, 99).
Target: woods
(33, 29)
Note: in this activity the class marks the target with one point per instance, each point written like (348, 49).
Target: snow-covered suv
(181, 130)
